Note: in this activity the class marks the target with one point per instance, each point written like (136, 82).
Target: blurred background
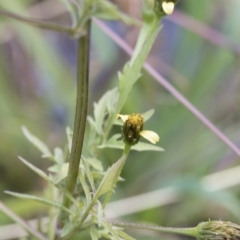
(197, 51)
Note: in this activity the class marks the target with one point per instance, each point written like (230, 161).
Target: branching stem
(37, 23)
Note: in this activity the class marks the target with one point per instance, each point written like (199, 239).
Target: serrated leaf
(132, 70)
(113, 142)
(35, 169)
(110, 178)
(46, 153)
(38, 199)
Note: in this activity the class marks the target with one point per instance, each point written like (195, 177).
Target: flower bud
(217, 230)
(132, 128)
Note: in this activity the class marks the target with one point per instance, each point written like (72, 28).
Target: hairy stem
(81, 111)
(183, 231)
(37, 23)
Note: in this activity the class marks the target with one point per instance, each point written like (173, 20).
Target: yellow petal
(123, 117)
(150, 136)
(168, 7)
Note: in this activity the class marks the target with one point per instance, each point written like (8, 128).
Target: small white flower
(168, 7)
(133, 129)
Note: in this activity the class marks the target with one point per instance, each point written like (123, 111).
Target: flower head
(218, 230)
(167, 6)
(133, 130)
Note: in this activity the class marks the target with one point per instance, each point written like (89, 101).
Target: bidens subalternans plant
(80, 188)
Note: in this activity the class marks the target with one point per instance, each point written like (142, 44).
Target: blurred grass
(37, 89)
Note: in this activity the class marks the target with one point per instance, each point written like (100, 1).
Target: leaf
(109, 11)
(68, 227)
(73, 10)
(62, 172)
(84, 185)
(147, 115)
(95, 163)
(46, 153)
(124, 235)
(39, 199)
(94, 233)
(113, 142)
(35, 169)
(100, 214)
(104, 106)
(110, 178)
(89, 174)
(111, 230)
(58, 155)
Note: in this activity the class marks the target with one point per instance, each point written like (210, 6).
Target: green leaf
(58, 155)
(61, 173)
(35, 169)
(109, 11)
(94, 233)
(113, 142)
(132, 70)
(124, 235)
(39, 199)
(95, 163)
(108, 182)
(100, 214)
(88, 172)
(37, 143)
(147, 115)
(111, 229)
(84, 185)
(68, 227)
(73, 10)
(104, 106)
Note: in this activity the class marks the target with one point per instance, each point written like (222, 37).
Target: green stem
(81, 111)
(37, 23)
(183, 231)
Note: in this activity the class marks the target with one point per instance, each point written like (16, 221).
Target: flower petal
(150, 136)
(168, 7)
(123, 117)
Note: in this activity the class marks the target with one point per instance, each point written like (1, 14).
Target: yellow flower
(133, 130)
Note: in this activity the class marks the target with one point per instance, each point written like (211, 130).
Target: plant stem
(183, 231)
(81, 111)
(37, 23)
(21, 222)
